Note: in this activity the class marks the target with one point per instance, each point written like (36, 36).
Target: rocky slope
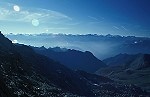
(25, 73)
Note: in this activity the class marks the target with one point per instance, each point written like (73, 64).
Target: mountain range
(102, 46)
(131, 69)
(73, 59)
(24, 73)
(136, 61)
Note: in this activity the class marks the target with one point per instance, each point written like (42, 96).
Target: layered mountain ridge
(25, 73)
(130, 69)
(75, 60)
(137, 61)
(102, 46)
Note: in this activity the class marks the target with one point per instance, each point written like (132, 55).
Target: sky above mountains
(122, 17)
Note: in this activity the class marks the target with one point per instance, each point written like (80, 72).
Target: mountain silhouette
(131, 69)
(102, 46)
(24, 73)
(74, 59)
(137, 61)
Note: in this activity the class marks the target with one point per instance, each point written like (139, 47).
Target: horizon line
(92, 34)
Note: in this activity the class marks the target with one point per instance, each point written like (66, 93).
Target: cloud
(116, 27)
(57, 28)
(93, 18)
(28, 14)
(124, 28)
(73, 24)
(94, 22)
(15, 41)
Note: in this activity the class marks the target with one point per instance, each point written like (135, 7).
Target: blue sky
(122, 17)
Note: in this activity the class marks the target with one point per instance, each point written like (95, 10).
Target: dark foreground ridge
(24, 73)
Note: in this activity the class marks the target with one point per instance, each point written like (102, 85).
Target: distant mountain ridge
(24, 68)
(63, 34)
(102, 46)
(25, 73)
(74, 59)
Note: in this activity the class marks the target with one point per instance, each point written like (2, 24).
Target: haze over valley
(74, 48)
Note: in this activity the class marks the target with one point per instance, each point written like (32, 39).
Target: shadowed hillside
(25, 73)
(75, 60)
(131, 69)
